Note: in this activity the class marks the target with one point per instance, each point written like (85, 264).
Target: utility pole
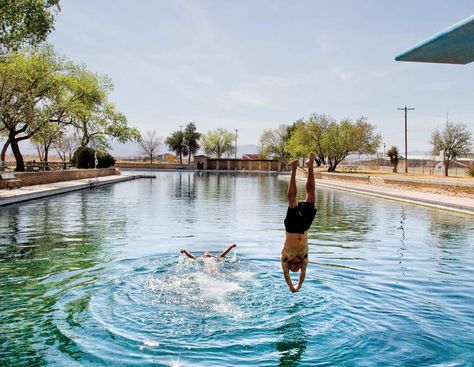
(236, 132)
(446, 133)
(406, 109)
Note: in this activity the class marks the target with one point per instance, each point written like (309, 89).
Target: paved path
(39, 191)
(447, 202)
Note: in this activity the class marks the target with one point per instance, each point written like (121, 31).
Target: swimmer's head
(207, 254)
(295, 264)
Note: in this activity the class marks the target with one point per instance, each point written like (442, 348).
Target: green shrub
(470, 170)
(83, 158)
(105, 160)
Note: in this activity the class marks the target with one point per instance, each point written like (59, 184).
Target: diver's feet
(294, 165)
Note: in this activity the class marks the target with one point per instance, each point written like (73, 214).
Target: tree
(39, 87)
(25, 22)
(299, 143)
(28, 82)
(218, 142)
(6, 144)
(262, 154)
(45, 137)
(191, 140)
(455, 141)
(346, 137)
(65, 146)
(470, 170)
(85, 106)
(150, 143)
(306, 137)
(274, 141)
(177, 144)
(317, 125)
(394, 156)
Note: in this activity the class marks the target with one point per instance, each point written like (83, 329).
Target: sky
(253, 65)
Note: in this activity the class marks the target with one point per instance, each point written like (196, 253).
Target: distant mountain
(131, 149)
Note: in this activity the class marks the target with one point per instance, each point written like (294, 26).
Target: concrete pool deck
(26, 193)
(462, 205)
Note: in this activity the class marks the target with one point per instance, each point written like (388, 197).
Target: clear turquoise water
(94, 278)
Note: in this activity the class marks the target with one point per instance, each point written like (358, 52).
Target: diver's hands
(227, 250)
(183, 250)
(293, 289)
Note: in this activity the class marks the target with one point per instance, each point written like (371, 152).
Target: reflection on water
(293, 339)
(95, 278)
(44, 247)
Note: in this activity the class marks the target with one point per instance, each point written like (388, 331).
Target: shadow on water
(293, 339)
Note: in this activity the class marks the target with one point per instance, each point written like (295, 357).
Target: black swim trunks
(299, 218)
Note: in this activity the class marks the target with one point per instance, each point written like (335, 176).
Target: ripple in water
(161, 309)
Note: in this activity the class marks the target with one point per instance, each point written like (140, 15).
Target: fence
(416, 167)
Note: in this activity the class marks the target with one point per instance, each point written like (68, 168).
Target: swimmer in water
(208, 254)
(299, 216)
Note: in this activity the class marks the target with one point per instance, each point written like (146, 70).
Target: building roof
(454, 45)
(250, 156)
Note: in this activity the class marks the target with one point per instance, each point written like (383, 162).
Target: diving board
(454, 45)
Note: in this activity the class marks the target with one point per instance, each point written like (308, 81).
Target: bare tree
(66, 145)
(150, 143)
(455, 141)
(45, 138)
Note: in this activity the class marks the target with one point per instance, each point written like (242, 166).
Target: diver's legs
(292, 202)
(310, 179)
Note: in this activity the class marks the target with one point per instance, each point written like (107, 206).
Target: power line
(406, 109)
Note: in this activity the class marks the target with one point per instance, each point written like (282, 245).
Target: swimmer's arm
(188, 254)
(302, 274)
(226, 251)
(286, 273)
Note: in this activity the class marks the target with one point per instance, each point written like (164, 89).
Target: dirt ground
(433, 190)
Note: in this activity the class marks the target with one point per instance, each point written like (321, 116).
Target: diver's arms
(302, 274)
(286, 273)
(188, 254)
(226, 251)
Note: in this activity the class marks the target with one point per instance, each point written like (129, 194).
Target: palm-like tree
(394, 156)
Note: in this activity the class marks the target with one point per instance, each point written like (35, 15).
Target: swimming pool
(95, 278)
